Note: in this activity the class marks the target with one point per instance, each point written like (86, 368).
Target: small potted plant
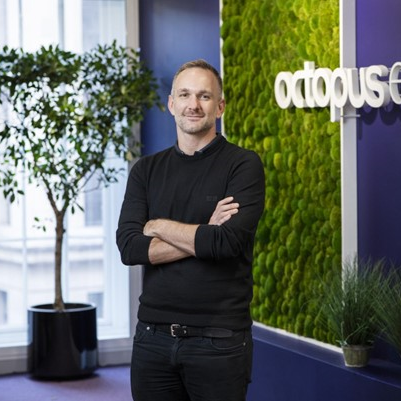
(62, 115)
(349, 311)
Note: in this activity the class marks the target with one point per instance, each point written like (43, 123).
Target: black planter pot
(62, 345)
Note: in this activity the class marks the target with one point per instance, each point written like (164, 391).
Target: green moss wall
(298, 243)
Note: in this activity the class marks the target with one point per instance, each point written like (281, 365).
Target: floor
(107, 384)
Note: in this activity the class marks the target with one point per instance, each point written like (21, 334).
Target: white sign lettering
(335, 89)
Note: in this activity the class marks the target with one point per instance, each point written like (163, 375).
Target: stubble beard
(194, 129)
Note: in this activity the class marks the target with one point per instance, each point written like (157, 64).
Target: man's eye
(183, 95)
(205, 97)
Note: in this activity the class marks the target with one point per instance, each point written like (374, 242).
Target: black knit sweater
(214, 288)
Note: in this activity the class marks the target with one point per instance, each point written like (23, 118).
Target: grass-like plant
(348, 302)
(389, 310)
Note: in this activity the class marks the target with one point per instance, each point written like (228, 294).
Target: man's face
(196, 101)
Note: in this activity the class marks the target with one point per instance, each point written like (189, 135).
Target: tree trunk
(58, 301)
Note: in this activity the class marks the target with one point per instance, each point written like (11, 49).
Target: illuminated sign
(375, 86)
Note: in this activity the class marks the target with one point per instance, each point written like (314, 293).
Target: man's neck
(191, 143)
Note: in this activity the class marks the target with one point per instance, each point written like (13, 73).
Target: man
(189, 216)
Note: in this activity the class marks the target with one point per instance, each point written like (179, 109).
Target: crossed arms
(153, 233)
(173, 240)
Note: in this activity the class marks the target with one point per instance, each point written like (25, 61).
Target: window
(92, 269)
(3, 308)
(97, 299)
(93, 203)
(5, 217)
(2, 21)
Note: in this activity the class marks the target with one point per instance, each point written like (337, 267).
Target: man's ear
(170, 104)
(221, 107)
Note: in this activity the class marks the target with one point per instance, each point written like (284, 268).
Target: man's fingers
(225, 208)
(230, 207)
(224, 201)
(227, 204)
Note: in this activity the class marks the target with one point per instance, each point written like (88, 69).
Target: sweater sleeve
(247, 186)
(132, 243)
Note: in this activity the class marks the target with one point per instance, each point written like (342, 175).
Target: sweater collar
(210, 145)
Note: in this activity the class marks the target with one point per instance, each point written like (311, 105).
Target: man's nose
(193, 102)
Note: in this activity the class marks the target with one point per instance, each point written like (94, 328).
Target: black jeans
(165, 368)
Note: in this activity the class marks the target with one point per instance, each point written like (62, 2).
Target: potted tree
(62, 114)
(349, 311)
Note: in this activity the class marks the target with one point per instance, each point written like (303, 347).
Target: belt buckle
(173, 327)
(178, 330)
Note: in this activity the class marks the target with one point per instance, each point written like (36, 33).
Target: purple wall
(171, 33)
(379, 137)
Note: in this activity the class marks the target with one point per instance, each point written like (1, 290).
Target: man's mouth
(194, 116)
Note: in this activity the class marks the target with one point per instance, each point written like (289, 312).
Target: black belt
(176, 330)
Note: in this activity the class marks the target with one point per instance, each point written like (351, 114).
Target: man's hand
(224, 210)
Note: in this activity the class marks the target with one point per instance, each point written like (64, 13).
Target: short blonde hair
(200, 63)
